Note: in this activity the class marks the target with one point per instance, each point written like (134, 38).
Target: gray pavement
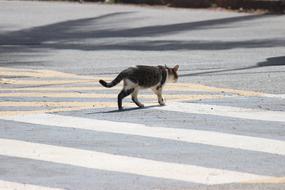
(57, 123)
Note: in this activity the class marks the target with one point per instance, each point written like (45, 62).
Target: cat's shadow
(126, 109)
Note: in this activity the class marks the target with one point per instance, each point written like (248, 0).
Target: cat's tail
(116, 81)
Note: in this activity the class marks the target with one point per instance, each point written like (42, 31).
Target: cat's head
(172, 73)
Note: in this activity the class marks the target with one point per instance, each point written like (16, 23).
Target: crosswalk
(186, 135)
(44, 119)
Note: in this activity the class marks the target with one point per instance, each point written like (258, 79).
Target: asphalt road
(223, 126)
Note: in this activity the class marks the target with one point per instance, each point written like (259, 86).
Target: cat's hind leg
(124, 93)
(135, 98)
(128, 89)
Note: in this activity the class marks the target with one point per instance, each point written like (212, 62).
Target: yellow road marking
(73, 106)
(35, 74)
(97, 95)
(87, 79)
(91, 104)
(170, 86)
(64, 109)
(85, 88)
(59, 95)
(59, 104)
(181, 87)
(70, 106)
(52, 104)
(49, 77)
(45, 82)
(58, 89)
(4, 71)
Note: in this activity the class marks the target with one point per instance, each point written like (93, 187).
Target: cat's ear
(176, 68)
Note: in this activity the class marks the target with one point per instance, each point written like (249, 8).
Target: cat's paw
(162, 103)
(141, 106)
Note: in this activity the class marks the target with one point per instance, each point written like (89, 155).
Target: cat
(142, 77)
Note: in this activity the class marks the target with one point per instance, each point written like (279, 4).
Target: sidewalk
(270, 5)
(277, 6)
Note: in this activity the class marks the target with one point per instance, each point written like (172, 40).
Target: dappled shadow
(272, 61)
(172, 45)
(70, 34)
(104, 33)
(149, 31)
(56, 32)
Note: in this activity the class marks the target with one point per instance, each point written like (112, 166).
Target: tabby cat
(141, 77)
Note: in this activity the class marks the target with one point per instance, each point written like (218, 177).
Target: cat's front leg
(135, 98)
(161, 100)
(158, 91)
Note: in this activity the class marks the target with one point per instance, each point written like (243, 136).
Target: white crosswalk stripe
(125, 164)
(226, 111)
(186, 135)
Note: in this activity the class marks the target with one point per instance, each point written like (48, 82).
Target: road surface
(223, 126)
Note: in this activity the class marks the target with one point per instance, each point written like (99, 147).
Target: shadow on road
(272, 61)
(71, 34)
(126, 109)
(85, 34)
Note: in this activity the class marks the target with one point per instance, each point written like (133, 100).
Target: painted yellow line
(96, 86)
(273, 180)
(181, 87)
(74, 106)
(65, 109)
(45, 82)
(57, 74)
(88, 78)
(60, 88)
(58, 95)
(82, 104)
(40, 73)
(57, 104)
(98, 95)
(83, 88)
(35, 74)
